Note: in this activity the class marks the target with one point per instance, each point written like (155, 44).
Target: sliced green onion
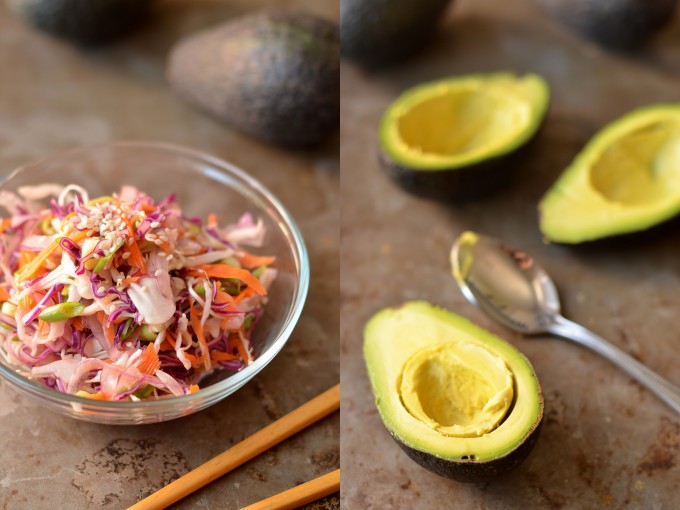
(248, 321)
(46, 227)
(148, 332)
(258, 272)
(101, 263)
(6, 326)
(144, 392)
(127, 329)
(231, 261)
(62, 312)
(8, 308)
(100, 200)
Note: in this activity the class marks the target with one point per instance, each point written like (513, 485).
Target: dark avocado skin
(463, 183)
(274, 75)
(381, 32)
(471, 471)
(615, 24)
(84, 22)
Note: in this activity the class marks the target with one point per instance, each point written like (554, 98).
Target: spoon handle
(662, 388)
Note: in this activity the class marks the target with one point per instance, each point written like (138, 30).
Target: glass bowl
(202, 184)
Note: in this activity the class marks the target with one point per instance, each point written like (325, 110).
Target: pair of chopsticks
(272, 434)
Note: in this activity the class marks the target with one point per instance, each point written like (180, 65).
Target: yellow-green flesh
(626, 179)
(459, 121)
(396, 336)
(458, 389)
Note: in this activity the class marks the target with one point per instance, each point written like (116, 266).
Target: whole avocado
(84, 22)
(615, 24)
(380, 32)
(274, 75)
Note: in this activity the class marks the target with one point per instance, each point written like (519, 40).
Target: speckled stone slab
(606, 442)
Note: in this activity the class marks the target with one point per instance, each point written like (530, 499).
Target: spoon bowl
(504, 282)
(511, 288)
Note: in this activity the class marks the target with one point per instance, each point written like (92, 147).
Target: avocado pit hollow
(457, 389)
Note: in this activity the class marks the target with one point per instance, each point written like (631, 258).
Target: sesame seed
(158, 272)
(155, 224)
(163, 238)
(158, 242)
(170, 257)
(126, 255)
(144, 289)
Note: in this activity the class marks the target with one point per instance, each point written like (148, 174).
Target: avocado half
(626, 179)
(446, 138)
(459, 401)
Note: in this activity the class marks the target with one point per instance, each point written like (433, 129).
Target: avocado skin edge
(376, 33)
(85, 23)
(471, 471)
(469, 182)
(620, 25)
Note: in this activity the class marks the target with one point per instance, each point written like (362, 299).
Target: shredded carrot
(212, 220)
(108, 327)
(77, 322)
(245, 294)
(27, 302)
(4, 295)
(4, 224)
(165, 247)
(136, 257)
(198, 330)
(227, 271)
(168, 343)
(194, 360)
(193, 388)
(97, 396)
(250, 261)
(242, 350)
(223, 356)
(82, 235)
(43, 327)
(30, 269)
(131, 279)
(149, 361)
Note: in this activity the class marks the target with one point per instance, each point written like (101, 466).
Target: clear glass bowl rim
(210, 393)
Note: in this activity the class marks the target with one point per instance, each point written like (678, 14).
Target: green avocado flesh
(460, 121)
(449, 390)
(626, 179)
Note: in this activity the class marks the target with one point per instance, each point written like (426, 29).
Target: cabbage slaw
(123, 298)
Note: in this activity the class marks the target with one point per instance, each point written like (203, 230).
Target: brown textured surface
(606, 442)
(52, 97)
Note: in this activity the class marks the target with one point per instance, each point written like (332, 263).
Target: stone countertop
(606, 442)
(54, 96)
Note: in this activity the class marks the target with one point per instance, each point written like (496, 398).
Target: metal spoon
(511, 288)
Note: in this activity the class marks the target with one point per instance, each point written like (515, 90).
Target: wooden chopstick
(302, 494)
(250, 447)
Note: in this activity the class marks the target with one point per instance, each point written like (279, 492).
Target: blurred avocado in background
(381, 32)
(615, 24)
(274, 75)
(84, 22)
